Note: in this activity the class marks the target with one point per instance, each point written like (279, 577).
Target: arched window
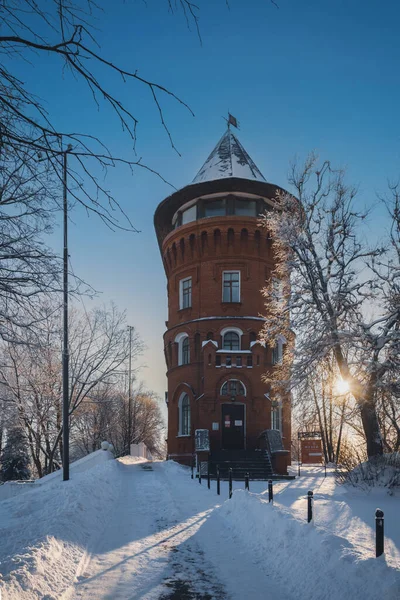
(182, 339)
(233, 387)
(184, 415)
(185, 351)
(231, 341)
(277, 351)
(276, 415)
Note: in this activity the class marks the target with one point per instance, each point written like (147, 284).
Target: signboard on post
(202, 440)
(311, 451)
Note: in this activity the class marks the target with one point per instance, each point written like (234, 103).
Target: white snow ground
(124, 533)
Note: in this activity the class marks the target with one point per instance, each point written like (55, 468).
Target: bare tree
(333, 297)
(319, 405)
(387, 270)
(28, 269)
(34, 150)
(31, 373)
(105, 416)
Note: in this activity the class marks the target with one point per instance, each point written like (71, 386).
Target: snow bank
(14, 488)
(322, 565)
(44, 534)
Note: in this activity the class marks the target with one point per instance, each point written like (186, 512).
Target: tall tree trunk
(370, 423)
(321, 426)
(339, 440)
(364, 396)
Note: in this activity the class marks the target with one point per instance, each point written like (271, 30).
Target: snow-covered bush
(379, 471)
(14, 460)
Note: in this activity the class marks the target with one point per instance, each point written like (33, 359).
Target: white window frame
(180, 402)
(181, 282)
(179, 340)
(240, 285)
(231, 330)
(279, 351)
(276, 414)
(277, 288)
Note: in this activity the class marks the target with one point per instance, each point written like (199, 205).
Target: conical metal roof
(228, 159)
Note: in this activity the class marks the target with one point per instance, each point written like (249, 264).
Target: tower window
(233, 387)
(215, 208)
(277, 353)
(276, 416)
(231, 286)
(185, 293)
(245, 207)
(182, 339)
(184, 415)
(185, 351)
(189, 215)
(231, 341)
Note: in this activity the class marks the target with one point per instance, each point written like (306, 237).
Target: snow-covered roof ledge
(209, 341)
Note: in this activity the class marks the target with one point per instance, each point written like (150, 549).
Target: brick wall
(202, 250)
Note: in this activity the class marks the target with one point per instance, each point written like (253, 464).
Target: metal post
(298, 456)
(208, 476)
(246, 482)
(325, 469)
(270, 491)
(130, 392)
(192, 466)
(65, 355)
(379, 532)
(310, 498)
(230, 482)
(218, 482)
(199, 463)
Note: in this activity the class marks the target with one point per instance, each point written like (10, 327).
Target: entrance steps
(256, 463)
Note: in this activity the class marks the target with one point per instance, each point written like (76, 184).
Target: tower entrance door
(232, 427)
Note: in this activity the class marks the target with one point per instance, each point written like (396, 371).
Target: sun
(342, 386)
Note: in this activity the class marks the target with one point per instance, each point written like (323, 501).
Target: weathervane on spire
(231, 120)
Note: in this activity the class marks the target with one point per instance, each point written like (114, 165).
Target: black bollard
(299, 469)
(192, 468)
(325, 469)
(208, 477)
(199, 472)
(270, 492)
(230, 483)
(379, 518)
(246, 482)
(310, 499)
(218, 482)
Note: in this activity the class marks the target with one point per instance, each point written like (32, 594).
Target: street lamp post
(65, 354)
(130, 327)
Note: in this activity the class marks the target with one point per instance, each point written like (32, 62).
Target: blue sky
(317, 75)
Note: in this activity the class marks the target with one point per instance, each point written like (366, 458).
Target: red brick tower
(217, 260)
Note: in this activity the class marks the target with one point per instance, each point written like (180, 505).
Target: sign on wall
(202, 440)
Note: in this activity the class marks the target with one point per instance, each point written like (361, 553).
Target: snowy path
(162, 542)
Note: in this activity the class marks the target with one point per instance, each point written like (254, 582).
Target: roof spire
(229, 159)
